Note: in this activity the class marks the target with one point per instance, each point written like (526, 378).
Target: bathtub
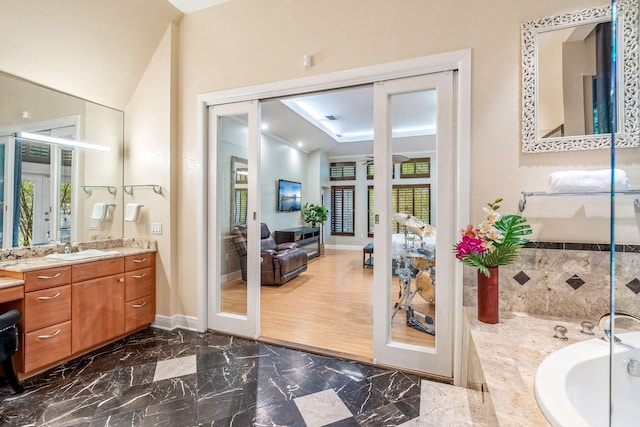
(572, 384)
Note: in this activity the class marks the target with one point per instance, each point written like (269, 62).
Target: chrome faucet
(605, 325)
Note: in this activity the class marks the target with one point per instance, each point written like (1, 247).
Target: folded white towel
(99, 210)
(578, 181)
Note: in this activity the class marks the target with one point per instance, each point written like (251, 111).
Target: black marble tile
(238, 382)
(634, 286)
(118, 420)
(383, 416)
(221, 406)
(410, 407)
(347, 422)
(177, 412)
(279, 414)
(575, 282)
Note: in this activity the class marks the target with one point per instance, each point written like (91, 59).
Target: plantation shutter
(241, 206)
(342, 210)
(413, 200)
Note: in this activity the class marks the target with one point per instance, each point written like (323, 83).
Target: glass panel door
(413, 300)
(234, 273)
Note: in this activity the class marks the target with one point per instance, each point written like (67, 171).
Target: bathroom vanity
(70, 307)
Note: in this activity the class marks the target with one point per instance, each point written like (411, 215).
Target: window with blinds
(370, 171)
(343, 210)
(416, 168)
(240, 212)
(410, 199)
(370, 220)
(342, 171)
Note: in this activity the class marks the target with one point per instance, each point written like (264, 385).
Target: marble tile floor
(184, 378)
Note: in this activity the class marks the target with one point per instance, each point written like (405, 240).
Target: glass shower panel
(233, 193)
(413, 237)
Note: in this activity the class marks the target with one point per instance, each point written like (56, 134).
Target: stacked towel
(573, 181)
(99, 210)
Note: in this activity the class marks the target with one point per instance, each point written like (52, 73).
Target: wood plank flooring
(328, 308)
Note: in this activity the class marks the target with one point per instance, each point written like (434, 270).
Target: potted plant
(315, 214)
(496, 241)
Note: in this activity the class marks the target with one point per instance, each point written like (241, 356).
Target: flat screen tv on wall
(289, 196)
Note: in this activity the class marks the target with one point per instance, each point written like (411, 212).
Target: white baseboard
(176, 321)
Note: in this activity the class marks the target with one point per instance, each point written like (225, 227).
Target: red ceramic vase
(488, 307)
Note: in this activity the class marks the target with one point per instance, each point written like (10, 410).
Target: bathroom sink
(75, 256)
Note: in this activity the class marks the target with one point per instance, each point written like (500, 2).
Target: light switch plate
(155, 228)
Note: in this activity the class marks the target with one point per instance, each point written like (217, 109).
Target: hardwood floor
(329, 308)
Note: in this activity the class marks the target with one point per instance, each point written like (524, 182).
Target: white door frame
(246, 325)
(459, 60)
(436, 360)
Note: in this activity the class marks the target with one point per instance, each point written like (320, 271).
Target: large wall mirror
(51, 191)
(566, 74)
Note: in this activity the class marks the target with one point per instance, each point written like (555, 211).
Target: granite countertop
(36, 263)
(510, 352)
(7, 282)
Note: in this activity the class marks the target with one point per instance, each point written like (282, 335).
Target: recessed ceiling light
(264, 126)
(300, 143)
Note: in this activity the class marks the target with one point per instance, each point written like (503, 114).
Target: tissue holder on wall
(132, 212)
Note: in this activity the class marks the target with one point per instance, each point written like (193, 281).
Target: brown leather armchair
(279, 262)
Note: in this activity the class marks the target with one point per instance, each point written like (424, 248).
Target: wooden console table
(307, 237)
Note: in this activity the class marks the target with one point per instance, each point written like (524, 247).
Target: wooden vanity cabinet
(140, 291)
(46, 317)
(69, 310)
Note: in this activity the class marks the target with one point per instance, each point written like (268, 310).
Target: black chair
(8, 346)
(279, 262)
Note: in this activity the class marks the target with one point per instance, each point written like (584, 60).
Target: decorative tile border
(597, 247)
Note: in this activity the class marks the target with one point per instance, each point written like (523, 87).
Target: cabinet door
(97, 311)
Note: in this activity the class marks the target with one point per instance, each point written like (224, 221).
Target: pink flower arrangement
(496, 241)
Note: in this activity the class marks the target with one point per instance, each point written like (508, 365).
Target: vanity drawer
(138, 283)
(47, 307)
(139, 313)
(47, 345)
(94, 270)
(136, 262)
(48, 278)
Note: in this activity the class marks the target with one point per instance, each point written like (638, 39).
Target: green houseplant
(315, 214)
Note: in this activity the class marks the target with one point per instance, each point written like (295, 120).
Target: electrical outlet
(155, 228)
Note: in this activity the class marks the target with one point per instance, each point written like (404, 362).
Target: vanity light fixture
(60, 141)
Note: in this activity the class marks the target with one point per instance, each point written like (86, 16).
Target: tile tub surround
(508, 354)
(566, 280)
(182, 378)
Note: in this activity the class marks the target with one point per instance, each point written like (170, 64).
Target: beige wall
(93, 49)
(149, 143)
(248, 42)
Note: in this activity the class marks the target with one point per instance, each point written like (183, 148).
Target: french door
(233, 239)
(413, 298)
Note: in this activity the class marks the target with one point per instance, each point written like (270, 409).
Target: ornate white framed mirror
(566, 74)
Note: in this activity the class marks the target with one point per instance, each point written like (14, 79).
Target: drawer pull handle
(50, 277)
(139, 305)
(140, 276)
(137, 261)
(56, 295)
(46, 337)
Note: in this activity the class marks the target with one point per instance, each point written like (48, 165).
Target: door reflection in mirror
(574, 81)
